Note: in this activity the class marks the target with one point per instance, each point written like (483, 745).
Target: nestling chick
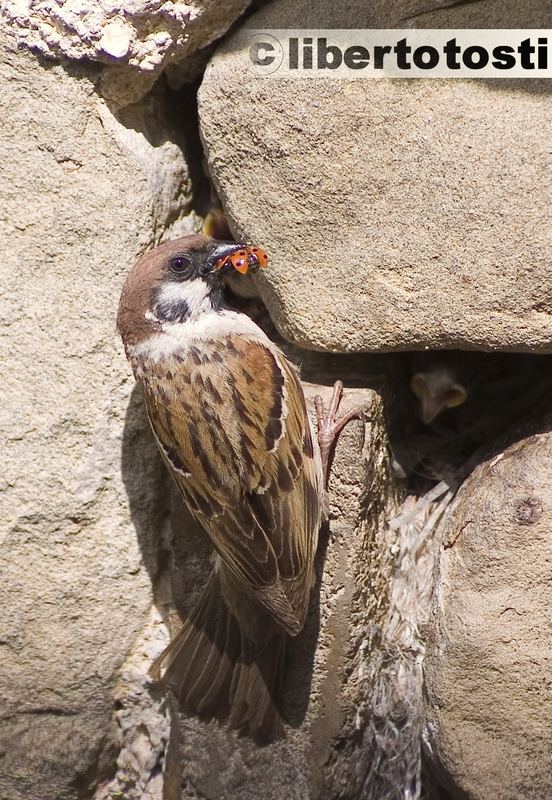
(229, 417)
(449, 379)
(437, 390)
(216, 225)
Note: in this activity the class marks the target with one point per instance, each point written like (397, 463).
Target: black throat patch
(178, 310)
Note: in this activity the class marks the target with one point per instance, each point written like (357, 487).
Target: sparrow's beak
(431, 407)
(241, 257)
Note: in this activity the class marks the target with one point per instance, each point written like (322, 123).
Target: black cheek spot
(179, 311)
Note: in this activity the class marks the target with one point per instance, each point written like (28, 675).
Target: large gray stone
(82, 196)
(489, 658)
(397, 214)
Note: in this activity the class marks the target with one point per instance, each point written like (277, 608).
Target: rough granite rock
(324, 753)
(398, 214)
(489, 659)
(143, 34)
(82, 196)
(142, 722)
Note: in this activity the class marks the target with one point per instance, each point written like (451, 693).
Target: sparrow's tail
(215, 671)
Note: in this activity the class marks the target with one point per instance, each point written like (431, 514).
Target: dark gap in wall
(182, 106)
(452, 408)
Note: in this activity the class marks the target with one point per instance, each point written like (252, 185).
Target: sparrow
(460, 401)
(450, 379)
(216, 224)
(229, 417)
(437, 388)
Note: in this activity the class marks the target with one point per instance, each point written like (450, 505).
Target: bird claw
(330, 426)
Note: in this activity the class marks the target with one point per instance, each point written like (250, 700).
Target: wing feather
(232, 426)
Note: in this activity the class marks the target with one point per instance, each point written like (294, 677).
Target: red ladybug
(243, 260)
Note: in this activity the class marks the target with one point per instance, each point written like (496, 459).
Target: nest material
(397, 717)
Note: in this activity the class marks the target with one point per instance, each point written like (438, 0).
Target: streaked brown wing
(242, 453)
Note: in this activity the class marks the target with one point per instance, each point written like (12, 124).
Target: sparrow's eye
(179, 264)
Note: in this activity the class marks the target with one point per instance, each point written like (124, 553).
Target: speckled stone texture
(83, 195)
(143, 34)
(489, 657)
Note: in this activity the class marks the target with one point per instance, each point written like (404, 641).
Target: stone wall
(398, 216)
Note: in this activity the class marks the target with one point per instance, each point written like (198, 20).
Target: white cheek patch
(182, 300)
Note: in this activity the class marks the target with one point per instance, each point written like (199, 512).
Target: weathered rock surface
(142, 723)
(144, 35)
(397, 214)
(489, 657)
(324, 753)
(83, 195)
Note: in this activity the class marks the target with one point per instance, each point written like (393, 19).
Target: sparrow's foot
(330, 426)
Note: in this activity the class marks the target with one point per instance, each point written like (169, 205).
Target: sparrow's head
(178, 281)
(437, 389)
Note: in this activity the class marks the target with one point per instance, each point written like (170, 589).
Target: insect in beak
(244, 259)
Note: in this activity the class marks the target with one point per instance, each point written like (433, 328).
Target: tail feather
(256, 689)
(215, 671)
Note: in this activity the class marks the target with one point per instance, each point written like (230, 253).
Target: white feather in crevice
(397, 717)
